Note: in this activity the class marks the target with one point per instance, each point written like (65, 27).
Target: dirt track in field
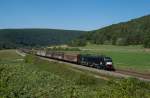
(102, 74)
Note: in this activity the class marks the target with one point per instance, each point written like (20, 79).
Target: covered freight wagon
(41, 52)
(74, 58)
(58, 55)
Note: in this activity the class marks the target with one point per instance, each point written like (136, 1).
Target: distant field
(130, 57)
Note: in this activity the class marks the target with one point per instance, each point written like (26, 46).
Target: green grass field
(31, 77)
(129, 57)
(9, 55)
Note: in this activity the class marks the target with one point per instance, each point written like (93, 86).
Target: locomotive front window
(107, 59)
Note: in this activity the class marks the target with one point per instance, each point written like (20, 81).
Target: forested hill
(133, 32)
(14, 38)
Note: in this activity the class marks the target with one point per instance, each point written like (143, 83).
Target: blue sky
(69, 14)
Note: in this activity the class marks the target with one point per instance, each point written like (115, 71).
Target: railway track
(133, 73)
(117, 73)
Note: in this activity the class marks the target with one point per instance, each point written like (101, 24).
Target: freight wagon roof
(73, 54)
(97, 56)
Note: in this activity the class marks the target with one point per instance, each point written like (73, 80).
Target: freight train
(99, 62)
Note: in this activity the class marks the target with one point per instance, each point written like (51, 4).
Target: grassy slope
(132, 57)
(9, 55)
(65, 78)
(42, 79)
(65, 71)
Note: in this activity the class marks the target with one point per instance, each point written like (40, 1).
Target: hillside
(133, 32)
(14, 38)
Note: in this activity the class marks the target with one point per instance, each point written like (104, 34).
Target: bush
(31, 59)
(77, 42)
(147, 41)
(122, 42)
(63, 49)
(125, 88)
(21, 82)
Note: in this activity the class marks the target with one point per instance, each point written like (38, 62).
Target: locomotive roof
(97, 56)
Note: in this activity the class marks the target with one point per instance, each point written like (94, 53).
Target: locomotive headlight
(108, 63)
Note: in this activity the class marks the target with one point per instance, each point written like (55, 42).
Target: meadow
(126, 57)
(31, 77)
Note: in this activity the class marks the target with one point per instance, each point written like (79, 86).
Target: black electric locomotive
(100, 62)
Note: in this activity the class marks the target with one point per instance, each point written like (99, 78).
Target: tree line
(16, 38)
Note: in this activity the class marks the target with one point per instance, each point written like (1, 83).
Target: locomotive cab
(108, 63)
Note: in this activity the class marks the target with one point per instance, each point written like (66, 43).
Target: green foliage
(54, 80)
(64, 71)
(147, 41)
(121, 42)
(126, 33)
(32, 59)
(9, 55)
(14, 38)
(85, 80)
(114, 40)
(125, 88)
(77, 42)
(21, 82)
(41, 80)
(63, 49)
